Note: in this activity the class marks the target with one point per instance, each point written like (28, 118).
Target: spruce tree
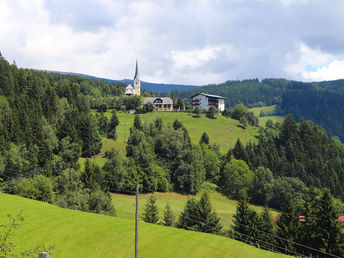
(326, 230)
(208, 221)
(242, 221)
(199, 216)
(169, 216)
(288, 225)
(204, 139)
(266, 229)
(151, 213)
(137, 122)
(113, 123)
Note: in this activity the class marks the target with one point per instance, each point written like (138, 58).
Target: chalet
(204, 101)
(160, 103)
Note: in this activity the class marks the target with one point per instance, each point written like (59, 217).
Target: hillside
(225, 208)
(80, 234)
(321, 102)
(230, 131)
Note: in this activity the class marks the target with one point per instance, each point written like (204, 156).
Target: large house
(136, 89)
(204, 101)
(160, 103)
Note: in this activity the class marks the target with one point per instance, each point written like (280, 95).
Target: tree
(204, 139)
(288, 225)
(326, 233)
(267, 227)
(236, 178)
(91, 176)
(113, 123)
(169, 217)
(262, 185)
(137, 122)
(151, 213)
(239, 111)
(243, 221)
(212, 112)
(199, 216)
(197, 111)
(179, 104)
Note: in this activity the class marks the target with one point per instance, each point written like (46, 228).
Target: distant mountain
(150, 86)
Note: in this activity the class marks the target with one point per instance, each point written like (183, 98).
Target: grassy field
(262, 120)
(223, 131)
(80, 234)
(224, 207)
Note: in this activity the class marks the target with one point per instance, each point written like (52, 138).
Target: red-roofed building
(341, 218)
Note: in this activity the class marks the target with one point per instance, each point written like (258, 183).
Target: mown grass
(223, 131)
(262, 120)
(80, 234)
(224, 207)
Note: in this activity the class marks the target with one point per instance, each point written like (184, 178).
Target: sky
(195, 42)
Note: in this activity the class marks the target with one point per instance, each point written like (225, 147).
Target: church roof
(136, 71)
(129, 87)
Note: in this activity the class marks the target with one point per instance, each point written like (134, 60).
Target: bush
(37, 188)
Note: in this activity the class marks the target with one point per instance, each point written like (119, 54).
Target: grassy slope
(79, 234)
(262, 120)
(223, 131)
(225, 208)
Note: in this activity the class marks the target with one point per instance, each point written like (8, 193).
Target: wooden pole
(136, 219)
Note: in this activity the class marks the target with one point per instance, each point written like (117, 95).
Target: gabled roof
(165, 100)
(129, 87)
(208, 95)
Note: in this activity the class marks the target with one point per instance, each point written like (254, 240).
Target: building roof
(129, 87)
(208, 95)
(155, 100)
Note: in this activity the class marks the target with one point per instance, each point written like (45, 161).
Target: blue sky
(188, 42)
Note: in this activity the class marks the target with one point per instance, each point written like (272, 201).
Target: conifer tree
(326, 230)
(199, 216)
(243, 221)
(266, 229)
(169, 216)
(151, 213)
(288, 225)
(204, 139)
(137, 122)
(113, 123)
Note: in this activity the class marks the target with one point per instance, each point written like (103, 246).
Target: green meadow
(262, 120)
(81, 234)
(224, 207)
(223, 131)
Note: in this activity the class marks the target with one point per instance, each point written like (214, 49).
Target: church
(136, 90)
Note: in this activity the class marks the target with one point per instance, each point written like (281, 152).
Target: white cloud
(314, 65)
(192, 59)
(189, 42)
(333, 71)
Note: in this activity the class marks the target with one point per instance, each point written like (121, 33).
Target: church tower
(137, 84)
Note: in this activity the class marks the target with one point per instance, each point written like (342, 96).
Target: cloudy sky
(183, 41)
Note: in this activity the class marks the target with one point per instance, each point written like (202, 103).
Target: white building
(204, 101)
(136, 90)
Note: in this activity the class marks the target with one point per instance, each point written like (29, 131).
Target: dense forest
(320, 102)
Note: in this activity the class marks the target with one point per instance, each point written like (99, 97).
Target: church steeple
(137, 84)
(136, 71)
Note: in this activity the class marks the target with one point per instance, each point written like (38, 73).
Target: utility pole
(136, 218)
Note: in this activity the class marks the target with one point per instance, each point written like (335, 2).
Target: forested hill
(45, 119)
(321, 102)
(149, 86)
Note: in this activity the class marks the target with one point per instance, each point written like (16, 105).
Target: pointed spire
(136, 71)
